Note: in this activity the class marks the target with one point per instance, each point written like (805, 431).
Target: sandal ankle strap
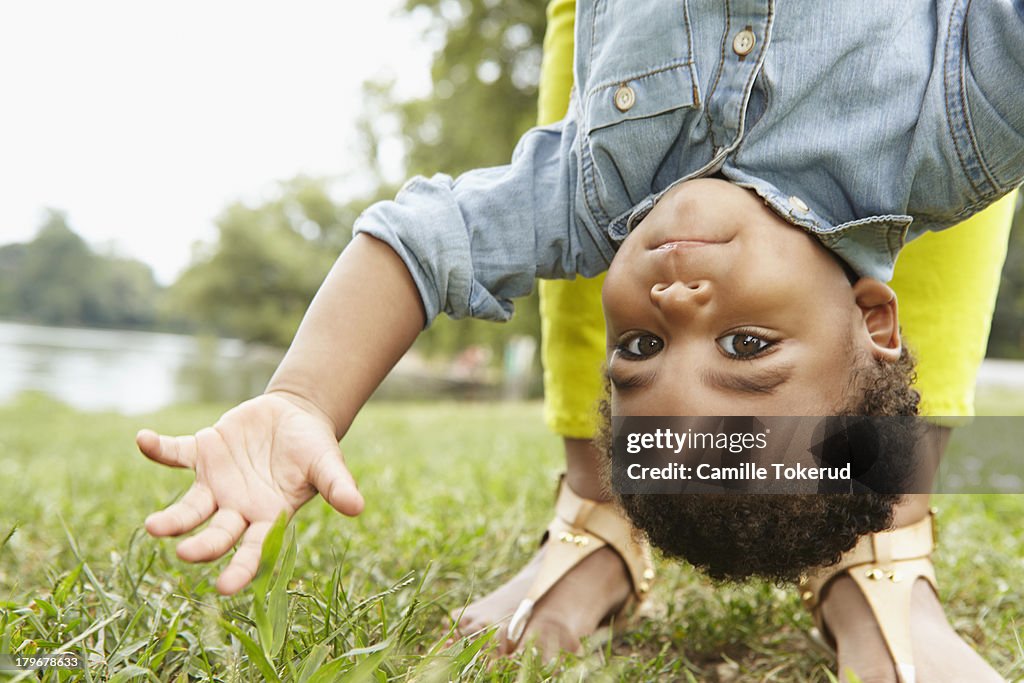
(880, 550)
(580, 528)
(605, 521)
(885, 566)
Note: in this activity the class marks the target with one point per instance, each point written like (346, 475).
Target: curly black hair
(734, 537)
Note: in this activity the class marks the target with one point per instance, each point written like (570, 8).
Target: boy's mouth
(685, 244)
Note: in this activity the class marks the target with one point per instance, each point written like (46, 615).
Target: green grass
(457, 495)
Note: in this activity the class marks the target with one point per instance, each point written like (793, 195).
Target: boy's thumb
(336, 484)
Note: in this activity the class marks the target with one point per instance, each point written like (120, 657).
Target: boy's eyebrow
(762, 381)
(641, 379)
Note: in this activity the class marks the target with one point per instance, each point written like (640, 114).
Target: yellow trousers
(945, 282)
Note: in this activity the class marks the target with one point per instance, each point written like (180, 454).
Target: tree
(484, 94)
(484, 97)
(258, 278)
(57, 279)
(56, 275)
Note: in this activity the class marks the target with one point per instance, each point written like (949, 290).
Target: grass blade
(312, 662)
(256, 655)
(268, 556)
(60, 593)
(366, 668)
(278, 600)
(264, 583)
(8, 536)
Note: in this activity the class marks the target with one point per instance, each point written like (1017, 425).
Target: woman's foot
(940, 655)
(573, 609)
(577, 605)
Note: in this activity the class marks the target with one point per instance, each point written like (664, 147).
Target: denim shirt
(864, 123)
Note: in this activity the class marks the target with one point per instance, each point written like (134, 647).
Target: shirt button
(625, 98)
(743, 43)
(799, 204)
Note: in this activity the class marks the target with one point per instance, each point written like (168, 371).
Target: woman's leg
(946, 284)
(572, 351)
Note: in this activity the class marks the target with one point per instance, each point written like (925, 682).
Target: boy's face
(716, 306)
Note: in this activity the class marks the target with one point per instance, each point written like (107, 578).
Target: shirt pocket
(640, 91)
(983, 52)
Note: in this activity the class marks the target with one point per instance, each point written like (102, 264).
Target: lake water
(130, 372)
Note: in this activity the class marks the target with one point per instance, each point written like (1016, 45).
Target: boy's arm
(273, 453)
(465, 247)
(474, 243)
(365, 316)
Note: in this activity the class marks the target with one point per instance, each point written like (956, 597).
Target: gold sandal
(885, 566)
(580, 528)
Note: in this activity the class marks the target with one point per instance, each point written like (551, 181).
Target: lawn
(457, 495)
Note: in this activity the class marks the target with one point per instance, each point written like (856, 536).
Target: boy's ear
(877, 303)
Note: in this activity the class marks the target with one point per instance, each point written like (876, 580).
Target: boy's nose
(681, 297)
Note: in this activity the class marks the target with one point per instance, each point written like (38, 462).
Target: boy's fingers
(223, 531)
(246, 561)
(335, 483)
(194, 508)
(175, 451)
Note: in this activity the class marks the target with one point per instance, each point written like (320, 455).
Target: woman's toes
(554, 634)
(468, 628)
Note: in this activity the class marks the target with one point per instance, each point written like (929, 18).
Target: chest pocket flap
(647, 94)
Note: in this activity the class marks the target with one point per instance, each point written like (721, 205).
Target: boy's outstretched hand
(267, 455)
(273, 453)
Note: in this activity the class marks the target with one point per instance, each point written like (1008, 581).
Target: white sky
(143, 120)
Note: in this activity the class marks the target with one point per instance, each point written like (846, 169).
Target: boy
(946, 284)
(667, 93)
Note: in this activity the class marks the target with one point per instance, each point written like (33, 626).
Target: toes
(550, 636)
(467, 624)
(505, 646)
(466, 628)
(872, 673)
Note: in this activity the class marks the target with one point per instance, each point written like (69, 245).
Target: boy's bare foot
(573, 609)
(940, 655)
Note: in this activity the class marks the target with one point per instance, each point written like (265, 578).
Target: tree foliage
(257, 279)
(57, 279)
(484, 97)
(484, 94)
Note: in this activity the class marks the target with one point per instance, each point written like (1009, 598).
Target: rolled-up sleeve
(474, 243)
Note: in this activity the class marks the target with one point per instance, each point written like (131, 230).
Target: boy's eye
(742, 346)
(641, 346)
